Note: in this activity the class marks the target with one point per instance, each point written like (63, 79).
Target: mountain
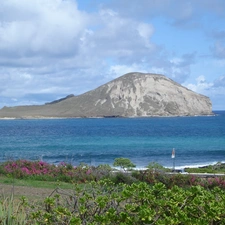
(131, 95)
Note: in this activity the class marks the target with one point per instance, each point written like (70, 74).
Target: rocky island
(131, 95)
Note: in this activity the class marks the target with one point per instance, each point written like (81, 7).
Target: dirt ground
(29, 192)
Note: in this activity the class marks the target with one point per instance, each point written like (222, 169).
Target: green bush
(13, 212)
(157, 167)
(123, 163)
(139, 203)
(216, 168)
(125, 178)
(105, 202)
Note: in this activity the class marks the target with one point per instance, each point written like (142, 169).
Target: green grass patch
(215, 169)
(34, 183)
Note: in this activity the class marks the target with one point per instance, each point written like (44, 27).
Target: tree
(157, 166)
(124, 163)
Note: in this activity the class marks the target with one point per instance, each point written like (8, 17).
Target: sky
(52, 48)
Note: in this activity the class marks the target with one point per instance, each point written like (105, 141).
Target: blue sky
(49, 49)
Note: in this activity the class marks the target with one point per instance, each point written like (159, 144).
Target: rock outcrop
(131, 95)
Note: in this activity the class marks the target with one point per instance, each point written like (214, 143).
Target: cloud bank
(53, 48)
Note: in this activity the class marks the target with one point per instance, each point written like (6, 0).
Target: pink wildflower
(41, 163)
(8, 169)
(88, 172)
(45, 171)
(25, 170)
(14, 165)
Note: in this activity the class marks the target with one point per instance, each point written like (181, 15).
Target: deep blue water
(197, 140)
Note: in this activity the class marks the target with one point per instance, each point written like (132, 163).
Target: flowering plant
(40, 170)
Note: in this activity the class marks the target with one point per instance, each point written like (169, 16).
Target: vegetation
(217, 168)
(157, 167)
(103, 202)
(12, 212)
(123, 163)
(99, 196)
(38, 170)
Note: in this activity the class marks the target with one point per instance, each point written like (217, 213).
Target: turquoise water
(197, 140)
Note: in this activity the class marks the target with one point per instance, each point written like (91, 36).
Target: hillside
(131, 95)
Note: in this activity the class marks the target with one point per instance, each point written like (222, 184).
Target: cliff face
(132, 95)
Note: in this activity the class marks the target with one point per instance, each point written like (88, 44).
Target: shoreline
(105, 117)
(137, 168)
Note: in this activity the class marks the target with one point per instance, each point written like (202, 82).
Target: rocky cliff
(131, 95)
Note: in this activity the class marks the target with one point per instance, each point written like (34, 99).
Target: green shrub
(13, 212)
(125, 178)
(123, 163)
(138, 203)
(103, 202)
(157, 167)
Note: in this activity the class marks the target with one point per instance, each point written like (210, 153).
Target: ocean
(198, 140)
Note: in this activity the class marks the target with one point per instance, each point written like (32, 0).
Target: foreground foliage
(106, 203)
(100, 196)
(12, 212)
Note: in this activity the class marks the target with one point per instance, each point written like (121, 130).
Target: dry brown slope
(131, 95)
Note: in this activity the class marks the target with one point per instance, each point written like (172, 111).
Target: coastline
(104, 117)
(183, 167)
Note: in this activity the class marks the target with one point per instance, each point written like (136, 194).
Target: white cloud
(118, 70)
(215, 90)
(201, 85)
(200, 80)
(124, 39)
(49, 49)
(146, 31)
(40, 28)
(177, 68)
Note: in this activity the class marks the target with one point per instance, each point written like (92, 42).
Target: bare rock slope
(131, 95)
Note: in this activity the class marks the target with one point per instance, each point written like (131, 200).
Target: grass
(34, 190)
(34, 183)
(217, 168)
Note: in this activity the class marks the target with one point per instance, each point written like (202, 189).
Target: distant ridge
(131, 95)
(59, 100)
